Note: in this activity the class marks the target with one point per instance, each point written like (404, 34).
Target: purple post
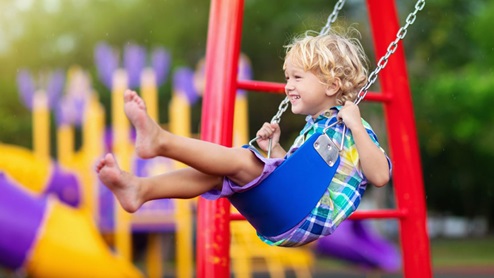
(55, 87)
(70, 110)
(27, 87)
(244, 71)
(21, 215)
(106, 220)
(106, 63)
(160, 61)
(134, 61)
(25, 84)
(183, 83)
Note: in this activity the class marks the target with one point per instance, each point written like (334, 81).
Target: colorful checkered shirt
(344, 192)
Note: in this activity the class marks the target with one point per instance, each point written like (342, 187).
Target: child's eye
(297, 76)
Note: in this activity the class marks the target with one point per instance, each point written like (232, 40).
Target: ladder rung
(384, 213)
(274, 87)
(377, 97)
(265, 86)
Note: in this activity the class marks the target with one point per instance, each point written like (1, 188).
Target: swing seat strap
(289, 194)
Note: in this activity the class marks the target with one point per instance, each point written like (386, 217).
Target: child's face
(307, 94)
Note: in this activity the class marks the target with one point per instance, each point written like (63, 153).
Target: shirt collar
(330, 113)
(329, 116)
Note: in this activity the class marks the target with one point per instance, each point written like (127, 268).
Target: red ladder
(222, 53)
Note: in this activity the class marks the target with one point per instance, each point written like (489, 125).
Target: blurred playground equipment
(48, 238)
(356, 242)
(102, 235)
(57, 219)
(40, 175)
(250, 255)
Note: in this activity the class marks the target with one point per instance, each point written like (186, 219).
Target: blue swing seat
(288, 195)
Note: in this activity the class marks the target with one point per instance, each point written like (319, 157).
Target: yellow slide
(43, 235)
(70, 246)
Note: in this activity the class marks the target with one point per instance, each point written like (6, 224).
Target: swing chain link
(332, 17)
(281, 109)
(391, 49)
(275, 120)
(372, 77)
(284, 104)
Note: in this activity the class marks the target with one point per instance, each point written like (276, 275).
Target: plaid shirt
(344, 192)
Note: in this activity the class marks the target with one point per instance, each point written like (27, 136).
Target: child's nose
(288, 86)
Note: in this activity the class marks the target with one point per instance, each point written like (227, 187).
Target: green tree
(452, 63)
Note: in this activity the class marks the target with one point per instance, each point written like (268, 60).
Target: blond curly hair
(333, 58)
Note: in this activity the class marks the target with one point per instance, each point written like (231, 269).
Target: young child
(323, 77)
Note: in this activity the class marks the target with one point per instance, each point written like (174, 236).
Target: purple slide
(21, 215)
(358, 243)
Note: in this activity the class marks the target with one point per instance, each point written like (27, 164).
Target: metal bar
(222, 55)
(379, 214)
(407, 173)
(265, 86)
(375, 214)
(279, 88)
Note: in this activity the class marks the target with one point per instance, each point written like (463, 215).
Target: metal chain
(391, 49)
(281, 109)
(332, 17)
(276, 119)
(373, 76)
(284, 104)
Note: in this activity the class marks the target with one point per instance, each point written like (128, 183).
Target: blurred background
(449, 50)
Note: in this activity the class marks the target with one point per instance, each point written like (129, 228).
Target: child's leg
(132, 191)
(238, 164)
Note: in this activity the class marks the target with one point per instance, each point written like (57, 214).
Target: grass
(469, 252)
(446, 253)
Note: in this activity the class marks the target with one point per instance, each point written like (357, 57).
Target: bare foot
(148, 131)
(124, 186)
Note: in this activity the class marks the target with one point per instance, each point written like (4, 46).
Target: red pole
(222, 53)
(407, 172)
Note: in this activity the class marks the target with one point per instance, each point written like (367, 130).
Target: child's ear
(333, 88)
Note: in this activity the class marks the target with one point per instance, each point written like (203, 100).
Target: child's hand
(266, 132)
(350, 115)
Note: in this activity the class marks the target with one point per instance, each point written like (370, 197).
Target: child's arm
(372, 159)
(270, 131)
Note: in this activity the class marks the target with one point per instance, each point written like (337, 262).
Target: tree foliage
(453, 91)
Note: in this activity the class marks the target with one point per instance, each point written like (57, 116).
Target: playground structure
(72, 181)
(218, 126)
(33, 178)
(154, 217)
(223, 48)
(48, 238)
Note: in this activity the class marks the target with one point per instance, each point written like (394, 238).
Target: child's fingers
(266, 131)
(349, 114)
(274, 126)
